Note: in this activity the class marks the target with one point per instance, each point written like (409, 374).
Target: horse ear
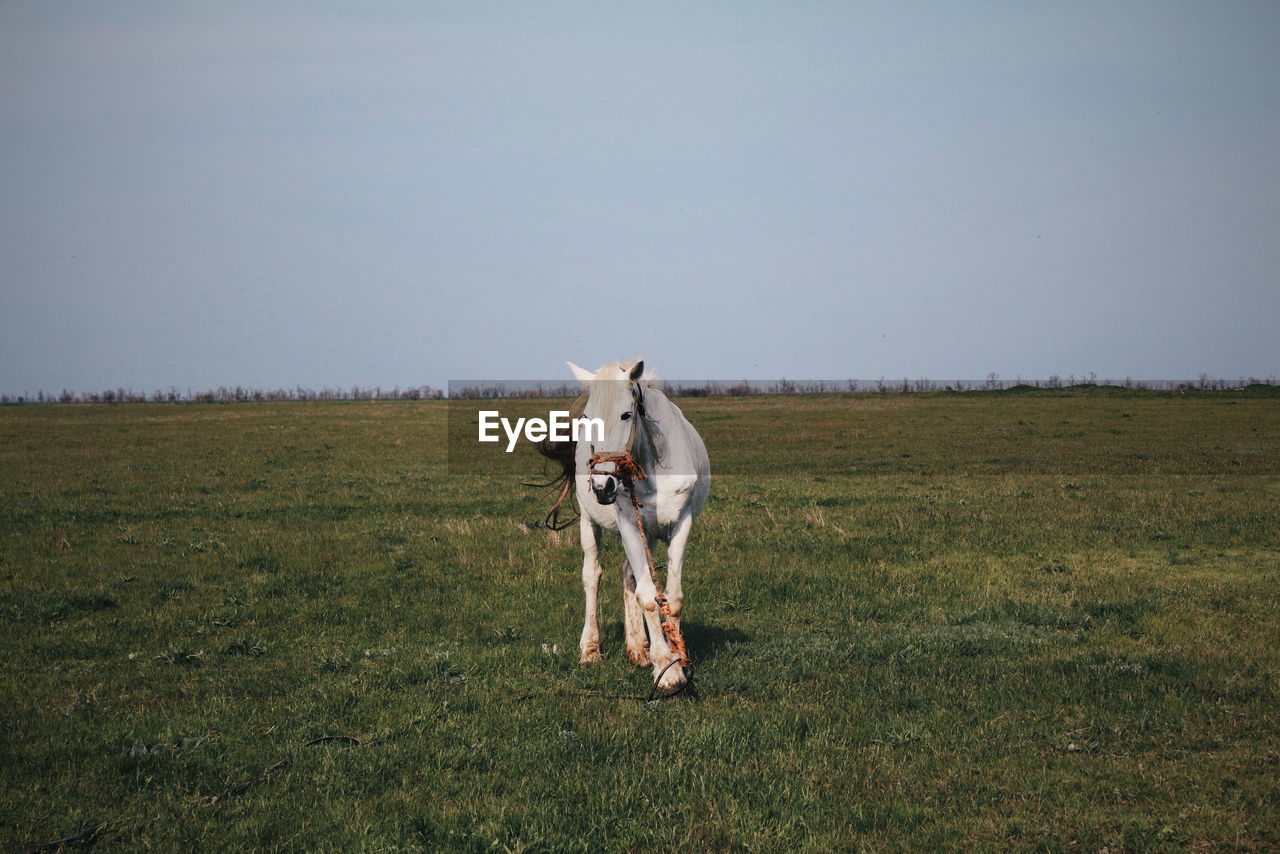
(581, 374)
(637, 370)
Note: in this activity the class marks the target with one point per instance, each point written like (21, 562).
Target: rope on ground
(241, 788)
(94, 836)
(84, 837)
(354, 742)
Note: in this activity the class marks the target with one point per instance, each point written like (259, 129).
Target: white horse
(640, 420)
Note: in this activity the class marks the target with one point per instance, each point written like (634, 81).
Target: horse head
(615, 395)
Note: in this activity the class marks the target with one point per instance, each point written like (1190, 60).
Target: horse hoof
(639, 656)
(590, 655)
(671, 682)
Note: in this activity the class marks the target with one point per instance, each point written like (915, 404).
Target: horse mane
(647, 432)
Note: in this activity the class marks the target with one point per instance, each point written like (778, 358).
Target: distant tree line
(740, 388)
(679, 388)
(228, 394)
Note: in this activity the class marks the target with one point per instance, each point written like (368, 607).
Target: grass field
(1042, 621)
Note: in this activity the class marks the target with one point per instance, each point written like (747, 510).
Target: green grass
(1043, 621)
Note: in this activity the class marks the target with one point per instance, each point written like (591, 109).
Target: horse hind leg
(633, 620)
(675, 565)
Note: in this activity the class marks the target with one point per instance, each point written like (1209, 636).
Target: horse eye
(626, 416)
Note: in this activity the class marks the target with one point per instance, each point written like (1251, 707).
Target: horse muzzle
(605, 487)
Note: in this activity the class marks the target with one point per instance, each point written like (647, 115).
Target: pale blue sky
(324, 194)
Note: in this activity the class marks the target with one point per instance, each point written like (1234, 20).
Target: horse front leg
(669, 676)
(589, 645)
(633, 619)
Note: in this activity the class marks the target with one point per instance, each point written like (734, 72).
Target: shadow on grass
(705, 640)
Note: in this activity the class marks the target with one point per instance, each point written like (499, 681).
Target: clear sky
(327, 194)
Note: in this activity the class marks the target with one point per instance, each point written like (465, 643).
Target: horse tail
(564, 455)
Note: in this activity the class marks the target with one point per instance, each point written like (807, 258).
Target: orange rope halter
(627, 470)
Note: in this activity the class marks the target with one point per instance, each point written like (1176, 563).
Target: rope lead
(627, 470)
